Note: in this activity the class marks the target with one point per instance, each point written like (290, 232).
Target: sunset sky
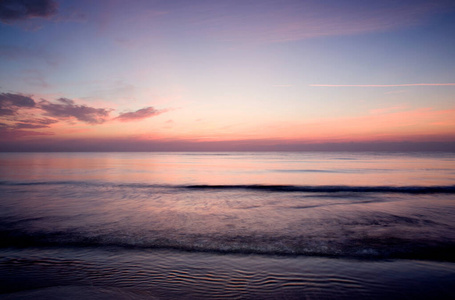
(227, 75)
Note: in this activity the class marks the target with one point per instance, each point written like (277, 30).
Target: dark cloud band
(66, 108)
(13, 10)
(11, 103)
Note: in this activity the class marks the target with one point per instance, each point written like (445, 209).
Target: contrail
(383, 85)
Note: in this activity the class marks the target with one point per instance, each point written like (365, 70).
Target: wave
(446, 189)
(361, 248)
(334, 189)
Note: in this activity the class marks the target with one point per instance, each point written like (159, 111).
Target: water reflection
(233, 168)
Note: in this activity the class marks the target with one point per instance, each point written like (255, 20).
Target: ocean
(234, 225)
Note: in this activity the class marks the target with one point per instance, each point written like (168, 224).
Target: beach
(306, 225)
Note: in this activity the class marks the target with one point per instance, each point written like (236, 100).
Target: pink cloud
(140, 114)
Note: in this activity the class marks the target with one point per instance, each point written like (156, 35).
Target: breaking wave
(447, 189)
(384, 247)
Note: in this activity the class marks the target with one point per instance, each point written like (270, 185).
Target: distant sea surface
(306, 225)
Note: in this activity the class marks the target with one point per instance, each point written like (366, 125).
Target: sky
(209, 75)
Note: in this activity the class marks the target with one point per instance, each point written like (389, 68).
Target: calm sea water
(227, 225)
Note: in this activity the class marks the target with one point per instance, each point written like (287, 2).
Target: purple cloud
(67, 109)
(34, 123)
(14, 10)
(28, 124)
(8, 135)
(21, 116)
(140, 114)
(11, 103)
(15, 130)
